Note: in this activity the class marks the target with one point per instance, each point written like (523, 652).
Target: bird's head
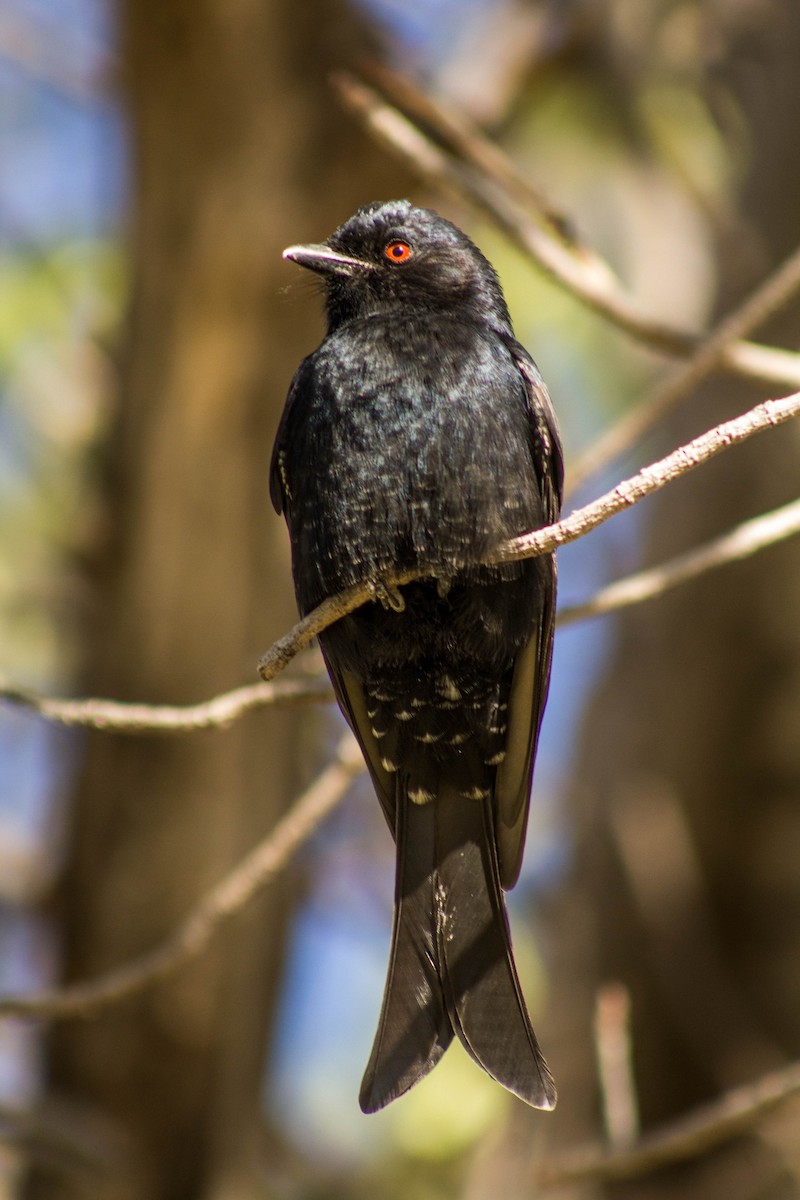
(390, 257)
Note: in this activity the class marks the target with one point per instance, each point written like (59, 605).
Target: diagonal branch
(651, 479)
(444, 144)
(769, 414)
(688, 1137)
(452, 130)
(739, 543)
(744, 540)
(121, 717)
(776, 290)
(571, 265)
(229, 896)
(541, 541)
(263, 863)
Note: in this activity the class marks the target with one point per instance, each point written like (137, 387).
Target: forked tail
(451, 966)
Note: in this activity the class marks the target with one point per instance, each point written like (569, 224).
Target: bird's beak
(324, 260)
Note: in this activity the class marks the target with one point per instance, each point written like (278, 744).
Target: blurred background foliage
(155, 156)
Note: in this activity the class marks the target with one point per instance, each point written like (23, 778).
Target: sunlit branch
(741, 542)
(121, 717)
(746, 539)
(453, 131)
(773, 293)
(270, 856)
(582, 273)
(730, 433)
(651, 479)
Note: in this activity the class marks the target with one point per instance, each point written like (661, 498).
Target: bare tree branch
(688, 1137)
(741, 542)
(121, 717)
(491, 180)
(776, 290)
(541, 541)
(229, 896)
(571, 265)
(455, 133)
(746, 539)
(651, 479)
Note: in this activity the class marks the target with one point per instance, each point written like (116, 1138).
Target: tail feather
(481, 986)
(414, 1029)
(451, 966)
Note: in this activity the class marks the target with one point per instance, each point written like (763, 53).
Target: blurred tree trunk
(238, 150)
(686, 883)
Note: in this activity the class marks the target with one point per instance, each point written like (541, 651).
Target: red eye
(398, 252)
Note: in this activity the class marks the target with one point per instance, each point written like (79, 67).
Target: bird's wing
(546, 451)
(349, 691)
(352, 701)
(279, 490)
(526, 703)
(531, 676)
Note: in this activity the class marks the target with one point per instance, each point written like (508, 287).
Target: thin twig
(454, 132)
(549, 238)
(121, 717)
(746, 539)
(267, 859)
(650, 479)
(776, 290)
(679, 1141)
(590, 279)
(541, 541)
(229, 896)
(741, 542)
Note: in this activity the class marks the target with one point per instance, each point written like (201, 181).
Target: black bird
(420, 435)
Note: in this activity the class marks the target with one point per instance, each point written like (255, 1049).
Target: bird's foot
(389, 597)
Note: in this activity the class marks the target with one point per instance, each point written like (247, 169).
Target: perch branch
(746, 539)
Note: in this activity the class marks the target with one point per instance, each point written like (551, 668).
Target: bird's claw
(389, 597)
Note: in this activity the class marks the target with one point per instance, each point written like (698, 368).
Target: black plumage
(420, 435)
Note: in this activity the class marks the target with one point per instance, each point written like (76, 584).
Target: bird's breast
(414, 451)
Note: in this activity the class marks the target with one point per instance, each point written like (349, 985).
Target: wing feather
(531, 677)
